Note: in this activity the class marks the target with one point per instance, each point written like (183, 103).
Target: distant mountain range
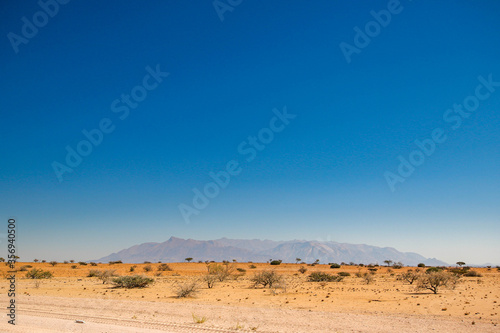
(177, 249)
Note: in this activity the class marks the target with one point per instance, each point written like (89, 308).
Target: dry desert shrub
(266, 279)
(409, 276)
(103, 275)
(210, 280)
(135, 281)
(186, 289)
(222, 272)
(147, 268)
(324, 277)
(368, 277)
(38, 274)
(164, 267)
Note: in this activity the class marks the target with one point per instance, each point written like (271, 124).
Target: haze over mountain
(177, 249)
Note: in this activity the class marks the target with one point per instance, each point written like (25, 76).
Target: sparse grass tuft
(199, 320)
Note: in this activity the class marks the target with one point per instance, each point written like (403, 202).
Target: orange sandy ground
(474, 299)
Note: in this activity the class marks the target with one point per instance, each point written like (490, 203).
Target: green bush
(147, 268)
(276, 262)
(241, 270)
(135, 281)
(324, 277)
(83, 263)
(421, 265)
(38, 274)
(344, 274)
(334, 265)
(473, 274)
(93, 264)
(433, 270)
(252, 266)
(302, 269)
(459, 271)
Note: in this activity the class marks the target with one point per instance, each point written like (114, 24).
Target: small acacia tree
(188, 259)
(388, 262)
(410, 276)
(460, 263)
(433, 281)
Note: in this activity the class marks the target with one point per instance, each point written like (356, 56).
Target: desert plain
(71, 301)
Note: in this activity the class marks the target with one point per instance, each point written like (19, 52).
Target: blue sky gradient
(322, 177)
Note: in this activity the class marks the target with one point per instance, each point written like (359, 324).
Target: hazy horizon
(367, 123)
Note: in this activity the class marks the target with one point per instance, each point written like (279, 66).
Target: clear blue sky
(321, 177)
